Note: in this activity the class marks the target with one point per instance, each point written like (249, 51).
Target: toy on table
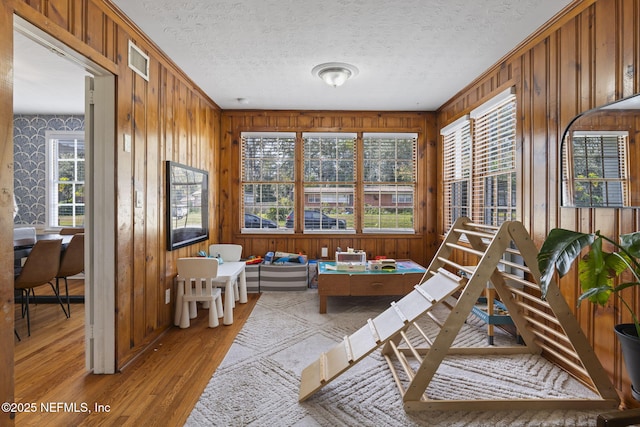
(254, 260)
(204, 254)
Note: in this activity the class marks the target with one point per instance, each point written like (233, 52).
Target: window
(66, 169)
(329, 181)
(389, 182)
(268, 164)
(325, 179)
(479, 164)
(494, 161)
(599, 176)
(456, 155)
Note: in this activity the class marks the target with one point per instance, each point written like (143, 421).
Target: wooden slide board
(377, 331)
(546, 327)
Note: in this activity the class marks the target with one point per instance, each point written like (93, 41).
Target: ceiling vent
(138, 61)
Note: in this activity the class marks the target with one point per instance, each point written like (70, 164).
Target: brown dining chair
(39, 269)
(71, 263)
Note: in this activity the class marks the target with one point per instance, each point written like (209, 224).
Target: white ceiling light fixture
(335, 73)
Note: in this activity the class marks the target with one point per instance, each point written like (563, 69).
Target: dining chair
(40, 268)
(196, 281)
(71, 263)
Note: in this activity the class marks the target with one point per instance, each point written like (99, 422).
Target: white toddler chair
(229, 252)
(196, 282)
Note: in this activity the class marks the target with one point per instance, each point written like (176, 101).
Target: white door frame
(100, 191)
(100, 224)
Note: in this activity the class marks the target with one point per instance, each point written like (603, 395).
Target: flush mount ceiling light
(334, 73)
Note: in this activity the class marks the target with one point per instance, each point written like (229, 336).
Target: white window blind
(267, 175)
(494, 161)
(329, 181)
(456, 157)
(389, 177)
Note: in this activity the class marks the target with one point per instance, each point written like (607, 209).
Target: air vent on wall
(138, 61)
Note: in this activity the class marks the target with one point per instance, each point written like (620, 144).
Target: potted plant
(598, 271)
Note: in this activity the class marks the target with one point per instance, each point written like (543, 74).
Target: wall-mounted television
(187, 205)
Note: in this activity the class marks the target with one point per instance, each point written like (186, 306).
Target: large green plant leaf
(598, 271)
(598, 295)
(558, 252)
(631, 242)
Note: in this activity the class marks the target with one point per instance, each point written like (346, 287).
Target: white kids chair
(196, 282)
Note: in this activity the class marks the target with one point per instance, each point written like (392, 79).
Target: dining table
(21, 249)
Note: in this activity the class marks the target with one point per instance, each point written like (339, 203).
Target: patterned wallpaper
(29, 162)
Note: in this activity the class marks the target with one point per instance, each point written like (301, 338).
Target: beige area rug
(258, 381)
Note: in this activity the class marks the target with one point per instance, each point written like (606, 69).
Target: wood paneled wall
(419, 246)
(590, 57)
(6, 211)
(167, 117)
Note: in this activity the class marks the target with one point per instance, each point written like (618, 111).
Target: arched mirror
(601, 158)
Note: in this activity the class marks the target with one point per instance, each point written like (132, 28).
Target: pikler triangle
(506, 269)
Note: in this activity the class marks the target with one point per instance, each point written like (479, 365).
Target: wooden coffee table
(367, 283)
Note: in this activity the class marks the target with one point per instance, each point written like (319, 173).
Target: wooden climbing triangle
(472, 258)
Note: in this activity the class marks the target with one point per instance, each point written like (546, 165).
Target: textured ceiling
(411, 54)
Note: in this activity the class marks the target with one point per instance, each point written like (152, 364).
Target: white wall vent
(138, 61)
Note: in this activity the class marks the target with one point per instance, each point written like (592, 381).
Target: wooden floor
(160, 387)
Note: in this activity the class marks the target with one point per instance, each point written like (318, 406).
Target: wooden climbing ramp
(473, 260)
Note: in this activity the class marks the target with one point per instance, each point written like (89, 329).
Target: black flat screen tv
(187, 205)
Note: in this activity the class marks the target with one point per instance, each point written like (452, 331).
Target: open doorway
(56, 89)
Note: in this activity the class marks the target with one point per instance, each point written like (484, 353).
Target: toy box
(284, 277)
(252, 274)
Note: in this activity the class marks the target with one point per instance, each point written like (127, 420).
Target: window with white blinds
(494, 161)
(599, 174)
(329, 181)
(456, 155)
(479, 163)
(389, 178)
(267, 180)
(337, 182)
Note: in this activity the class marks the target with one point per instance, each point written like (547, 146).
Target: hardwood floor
(160, 387)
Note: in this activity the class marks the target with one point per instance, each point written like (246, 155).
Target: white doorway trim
(100, 222)
(100, 189)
